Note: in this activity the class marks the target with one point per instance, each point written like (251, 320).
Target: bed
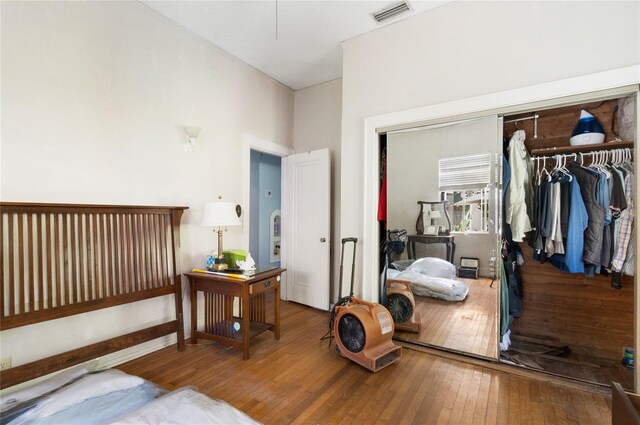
(59, 260)
(112, 397)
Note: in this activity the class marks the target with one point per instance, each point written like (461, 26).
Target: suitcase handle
(353, 264)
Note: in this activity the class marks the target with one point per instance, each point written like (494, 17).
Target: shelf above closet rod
(577, 149)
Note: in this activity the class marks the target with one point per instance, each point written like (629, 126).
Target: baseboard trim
(132, 353)
(105, 362)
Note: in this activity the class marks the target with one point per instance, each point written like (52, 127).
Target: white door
(306, 218)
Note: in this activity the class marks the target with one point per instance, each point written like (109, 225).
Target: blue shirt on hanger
(571, 260)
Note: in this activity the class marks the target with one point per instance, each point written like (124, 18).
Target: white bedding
(433, 277)
(186, 406)
(435, 287)
(89, 386)
(44, 387)
(115, 397)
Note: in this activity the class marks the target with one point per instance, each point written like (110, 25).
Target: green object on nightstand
(233, 255)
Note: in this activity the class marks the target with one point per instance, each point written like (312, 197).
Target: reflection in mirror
(470, 209)
(441, 238)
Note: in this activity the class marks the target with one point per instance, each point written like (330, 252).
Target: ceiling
(307, 49)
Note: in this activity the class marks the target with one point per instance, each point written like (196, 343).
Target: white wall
(467, 49)
(317, 125)
(94, 97)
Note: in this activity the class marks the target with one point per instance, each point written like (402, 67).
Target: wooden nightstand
(252, 315)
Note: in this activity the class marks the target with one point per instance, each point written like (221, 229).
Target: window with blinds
(468, 172)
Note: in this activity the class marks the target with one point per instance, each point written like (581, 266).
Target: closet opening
(569, 243)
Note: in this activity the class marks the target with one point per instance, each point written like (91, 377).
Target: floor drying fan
(396, 294)
(363, 334)
(363, 330)
(402, 306)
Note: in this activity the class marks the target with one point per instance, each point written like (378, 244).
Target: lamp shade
(435, 214)
(220, 214)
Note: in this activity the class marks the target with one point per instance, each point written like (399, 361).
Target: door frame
(552, 94)
(250, 143)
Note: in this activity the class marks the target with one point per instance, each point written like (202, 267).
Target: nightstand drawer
(262, 286)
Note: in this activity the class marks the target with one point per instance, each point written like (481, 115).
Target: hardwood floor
(300, 380)
(468, 326)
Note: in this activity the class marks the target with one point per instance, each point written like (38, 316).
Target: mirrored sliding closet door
(442, 204)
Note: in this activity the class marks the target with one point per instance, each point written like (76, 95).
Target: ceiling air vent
(391, 11)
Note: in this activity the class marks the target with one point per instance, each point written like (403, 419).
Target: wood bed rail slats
(58, 259)
(37, 316)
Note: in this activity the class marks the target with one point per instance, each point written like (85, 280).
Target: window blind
(464, 172)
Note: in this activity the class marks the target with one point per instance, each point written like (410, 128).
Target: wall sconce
(192, 136)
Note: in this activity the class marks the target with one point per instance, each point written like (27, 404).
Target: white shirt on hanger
(519, 160)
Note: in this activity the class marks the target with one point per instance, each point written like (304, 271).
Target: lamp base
(218, 267)
(219, 264)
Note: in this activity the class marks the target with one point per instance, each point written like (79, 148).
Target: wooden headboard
(58, 260)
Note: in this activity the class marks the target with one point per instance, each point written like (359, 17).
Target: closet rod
(533, 117)
(624, 154)
(591, 153)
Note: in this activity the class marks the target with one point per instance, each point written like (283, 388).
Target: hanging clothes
(593, 233)
(571, 261)
(565, 205)
(554, 242)
(506, 179)
(542, 229)
(382, 202)
(513, 279)
(618, 203)
(505, 317)
(506, 182)
(519, 187)
(625, 230)
(629, 267)
(617, 200)
(583, 219)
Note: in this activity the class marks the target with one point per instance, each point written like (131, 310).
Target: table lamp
(220, 214)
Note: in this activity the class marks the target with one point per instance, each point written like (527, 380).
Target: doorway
(301, 175)
(265, 203)
(251, 146)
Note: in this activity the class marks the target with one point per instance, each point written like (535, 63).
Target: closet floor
(468, 326)
(560, 360)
